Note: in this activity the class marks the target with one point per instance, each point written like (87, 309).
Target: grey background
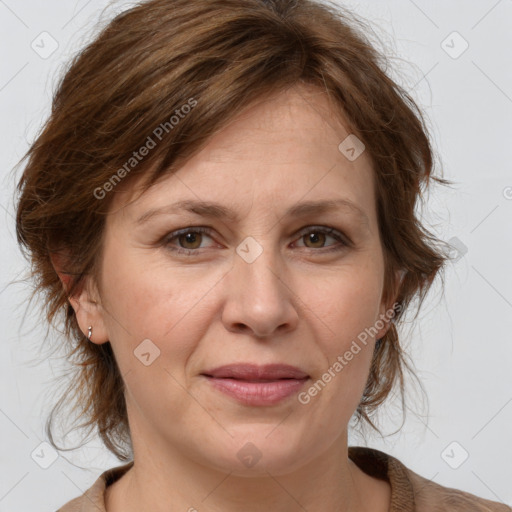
(461, 344)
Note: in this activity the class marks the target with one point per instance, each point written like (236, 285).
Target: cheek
(154, 303)
(344, 310)
(346, 303)
(144, 299)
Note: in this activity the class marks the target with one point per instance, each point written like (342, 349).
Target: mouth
(256, 385)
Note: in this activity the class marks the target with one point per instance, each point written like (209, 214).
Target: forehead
(287, 125)
(281, 149)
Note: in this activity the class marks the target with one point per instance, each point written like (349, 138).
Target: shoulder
(93, 499)
(413, 493)
(433, 497)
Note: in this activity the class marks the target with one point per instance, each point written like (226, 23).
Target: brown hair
(215, 56)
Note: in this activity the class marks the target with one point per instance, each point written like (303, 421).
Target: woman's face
(263, 284)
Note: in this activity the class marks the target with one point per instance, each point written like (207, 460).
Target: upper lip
(248, 371)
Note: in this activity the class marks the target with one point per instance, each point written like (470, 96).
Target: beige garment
(410, 492)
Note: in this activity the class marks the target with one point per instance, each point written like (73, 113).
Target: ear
(85, 300)
(386, 311)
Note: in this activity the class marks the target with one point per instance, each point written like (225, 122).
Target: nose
(258, 299)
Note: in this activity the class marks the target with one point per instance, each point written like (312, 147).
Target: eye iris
(315, 237)
(191, 238)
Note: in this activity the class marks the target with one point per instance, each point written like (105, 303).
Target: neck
(329, 483)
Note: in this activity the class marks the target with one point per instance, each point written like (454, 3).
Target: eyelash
(334, 233)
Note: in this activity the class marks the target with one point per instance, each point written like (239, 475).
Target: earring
(89, 334)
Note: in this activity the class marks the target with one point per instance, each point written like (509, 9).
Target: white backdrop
(454, 57)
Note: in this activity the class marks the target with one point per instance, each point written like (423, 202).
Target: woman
(222, 204)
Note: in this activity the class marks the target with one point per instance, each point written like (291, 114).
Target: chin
(254, 452)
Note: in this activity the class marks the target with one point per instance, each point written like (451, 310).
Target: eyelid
(327, 230)
(342, 239)
(183, 231)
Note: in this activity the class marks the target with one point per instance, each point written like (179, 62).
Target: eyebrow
(218, 211)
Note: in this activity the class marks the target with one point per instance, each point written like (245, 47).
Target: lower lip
(258, 393)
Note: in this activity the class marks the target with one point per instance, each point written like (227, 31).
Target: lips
(255, 385)
(255, 373)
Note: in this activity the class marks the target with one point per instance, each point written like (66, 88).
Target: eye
(189, 239)
(317, 236)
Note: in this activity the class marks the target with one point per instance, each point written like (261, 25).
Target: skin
(296, 303)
